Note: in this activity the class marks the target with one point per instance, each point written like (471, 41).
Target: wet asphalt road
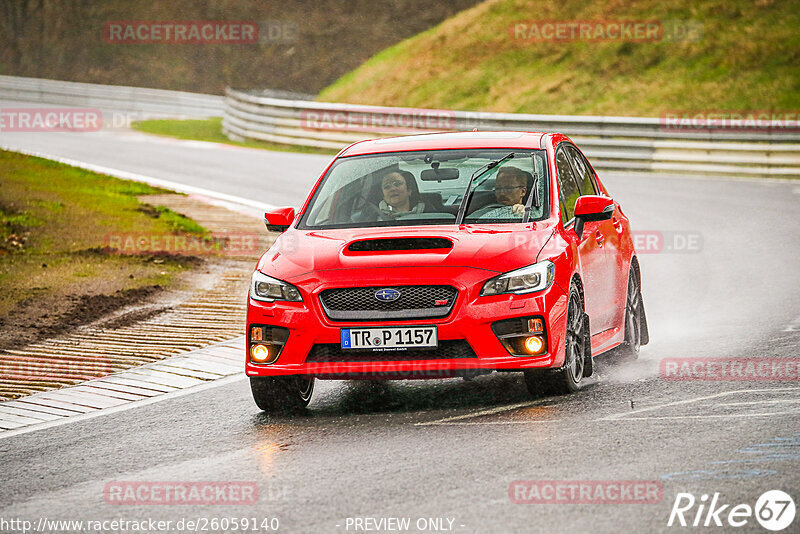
(450, 449)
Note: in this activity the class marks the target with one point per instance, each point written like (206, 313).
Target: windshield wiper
(475, 175)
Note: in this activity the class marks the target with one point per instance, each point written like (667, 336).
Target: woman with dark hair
(400, 194)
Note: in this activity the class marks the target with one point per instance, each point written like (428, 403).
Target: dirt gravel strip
(212, 310)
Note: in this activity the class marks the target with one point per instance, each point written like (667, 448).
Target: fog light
(522, 336)
(534, 344)
(259, 353)
(266, 343)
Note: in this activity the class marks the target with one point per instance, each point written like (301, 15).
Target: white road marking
(472, 423)
(629, 415)
(34, 401)
(130, 380)
(459, 419)
(17, 419)
(747, 403)
(709, 416)
(794, 326)
(489, 411)
(31, 414)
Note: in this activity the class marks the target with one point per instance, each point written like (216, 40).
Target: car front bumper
(470, 320)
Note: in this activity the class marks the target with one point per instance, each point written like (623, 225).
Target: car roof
(446, 140)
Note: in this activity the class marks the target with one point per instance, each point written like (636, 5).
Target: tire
(275, 394)
(568, 378)
(634, 319)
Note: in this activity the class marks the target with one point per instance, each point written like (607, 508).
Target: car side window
(567, 185)
(583, 174)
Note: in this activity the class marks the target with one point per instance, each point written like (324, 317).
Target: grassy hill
(741, 55)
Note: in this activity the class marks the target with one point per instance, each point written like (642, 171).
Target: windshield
(423, 188)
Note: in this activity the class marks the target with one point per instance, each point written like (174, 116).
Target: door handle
(617, 224)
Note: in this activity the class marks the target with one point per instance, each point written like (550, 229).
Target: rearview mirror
(445, 173)
(592, 208)
(279, 219)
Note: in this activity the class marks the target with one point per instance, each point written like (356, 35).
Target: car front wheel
(568, 378)
(281, 393)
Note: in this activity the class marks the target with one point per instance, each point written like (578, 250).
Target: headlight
(535, 277)
(266, 288)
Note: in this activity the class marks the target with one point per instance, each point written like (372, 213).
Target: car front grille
(332, 352)
(414, 302)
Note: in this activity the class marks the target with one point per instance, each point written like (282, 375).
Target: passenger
(400, 194)
(509, 191)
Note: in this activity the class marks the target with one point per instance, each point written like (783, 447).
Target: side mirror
(279, 219)
(592, 208)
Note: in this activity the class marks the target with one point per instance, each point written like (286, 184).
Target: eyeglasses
(393, 183)
(508, 189)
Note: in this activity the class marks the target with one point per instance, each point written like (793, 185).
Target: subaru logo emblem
(387, 295)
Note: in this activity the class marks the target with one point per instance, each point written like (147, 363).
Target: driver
(510, 188)
(400, 195)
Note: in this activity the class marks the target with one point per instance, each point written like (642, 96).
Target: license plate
(394, 338)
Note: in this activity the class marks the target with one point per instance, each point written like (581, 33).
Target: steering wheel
(368, 213)
(495, 205)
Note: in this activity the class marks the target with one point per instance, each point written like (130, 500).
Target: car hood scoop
(438, 244)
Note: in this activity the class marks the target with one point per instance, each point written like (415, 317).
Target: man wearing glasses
(509, 191)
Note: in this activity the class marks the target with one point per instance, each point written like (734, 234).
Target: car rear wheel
(629, 350)
(281, 393)
(568, 378)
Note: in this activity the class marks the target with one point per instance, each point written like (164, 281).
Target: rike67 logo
(774, 510)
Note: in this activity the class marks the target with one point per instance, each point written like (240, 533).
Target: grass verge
(211, 130)
(55, 266)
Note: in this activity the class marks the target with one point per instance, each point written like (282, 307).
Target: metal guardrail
(153, 102)
(612, 143)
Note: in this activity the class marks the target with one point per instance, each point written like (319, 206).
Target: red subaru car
(443, 255)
